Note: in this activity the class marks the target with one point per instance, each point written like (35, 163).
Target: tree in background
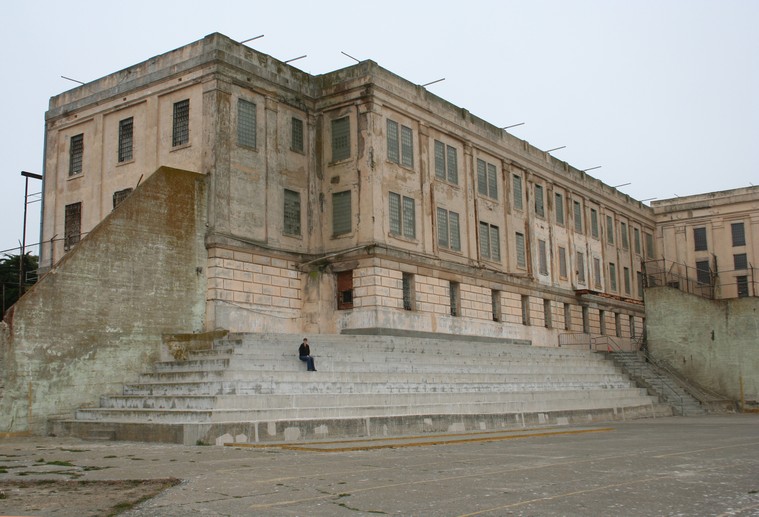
(9, 269)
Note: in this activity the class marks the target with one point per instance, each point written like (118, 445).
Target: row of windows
(737, 232)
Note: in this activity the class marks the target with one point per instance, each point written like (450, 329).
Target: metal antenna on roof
(592, 168)
(622, 185)
(513, 125)
(432, 82)
(556, 148)
(296, 58)
(251, 39)
(70, 79)
(353, 58)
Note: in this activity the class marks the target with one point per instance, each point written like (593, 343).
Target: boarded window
(520, 247)
(699, 239)
(76, 154)
(291, 212)
(609, 229)
(623, 235)
(580, 262)
(578, 216)
(627, 280)
(613, 276)
(649, 245)
(636, 237)
(517, 191)
(345, 290)
(296, 138)
(597, 272)
(246, 123)
(181, 123)
(562, 262)
(120, 196)
(559, 208)
(72, 225)
(594, 222)
(341, 213)
(738, 233)
(542, 258)
(341, 142)
(126, 132)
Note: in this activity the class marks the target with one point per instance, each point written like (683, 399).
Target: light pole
(21, 272)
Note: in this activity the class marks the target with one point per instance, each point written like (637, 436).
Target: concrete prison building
(350, 200)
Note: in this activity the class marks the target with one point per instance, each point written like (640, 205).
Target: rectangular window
(578, 217)
(627, 280)
(490, 242)
(703, 275)
(649, 245)
(525, 309)
(126, 131)
(400, 148)
(613, 276)
(72, 225)
(520, 247)
(408, 291)
(517, 181)
(487, 179)
(609, 230)
(567, 317)
(632, 326)
(547, 316)
(180, 127)
(636, 235)
(341, 213)
(623, 235)
(454, 298)
(539, 203)
(345, 290)
(341, 139)
(739, 235)
(699, 239)
(580, 263)
(639, 278)
(246, 123)
(296, 136)
(585, 320)
(562, 262)
(448, 230)
(559, 209)
(495, 304)
(291, 225)
(594, 223)
(542, 258)
(597, 272)
(740, 261)
(402, 215)
(446, 162)
(76, 154)
(742, 282)
(602, 322)
(617, 324)
(120, 195)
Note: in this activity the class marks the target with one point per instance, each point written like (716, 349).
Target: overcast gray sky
(662, 94)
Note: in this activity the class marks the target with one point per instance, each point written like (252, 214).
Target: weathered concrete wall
(96, 319)
(713, 342)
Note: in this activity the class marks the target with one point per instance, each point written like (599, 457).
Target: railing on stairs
(605, 343)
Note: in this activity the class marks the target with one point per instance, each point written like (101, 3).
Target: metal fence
(711, 283)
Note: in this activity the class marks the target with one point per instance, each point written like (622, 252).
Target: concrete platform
(695, 466)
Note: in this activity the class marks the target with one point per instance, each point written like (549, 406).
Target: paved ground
(669, 466)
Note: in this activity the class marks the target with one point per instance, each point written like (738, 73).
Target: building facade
(352, 200)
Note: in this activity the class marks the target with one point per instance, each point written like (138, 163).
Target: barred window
(72, 225)
(636, 235)
(291, 224)
(448, 230)
(742, 283)
(181, 123)
(738, 233)
(76, 154)
(341, 213)
(542, 258)
(627, 280)
(120, 196)
(408, 291)
(609, 229)
(400, 150)
(296, 126)
(649, 245)
(246, 123)
(597, 272)
(539, 206)
(490, 242)
(594, 223)
(344, 282)
(341, 140)
(580, 263)
(126, 131)
(562, 262)
(446, 162)
(517, 191)
(703, 274)
(740, 261)
(455, 298)
(623, 235)
(613, 276)
(520, 247)
(495, 304)
(559, 209)
(402, 215)
(699, 239)
(487, 179)
(578, 216)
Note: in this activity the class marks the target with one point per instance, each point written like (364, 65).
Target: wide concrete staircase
(253, 388)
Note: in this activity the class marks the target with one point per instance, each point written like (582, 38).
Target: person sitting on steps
(304, 352)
